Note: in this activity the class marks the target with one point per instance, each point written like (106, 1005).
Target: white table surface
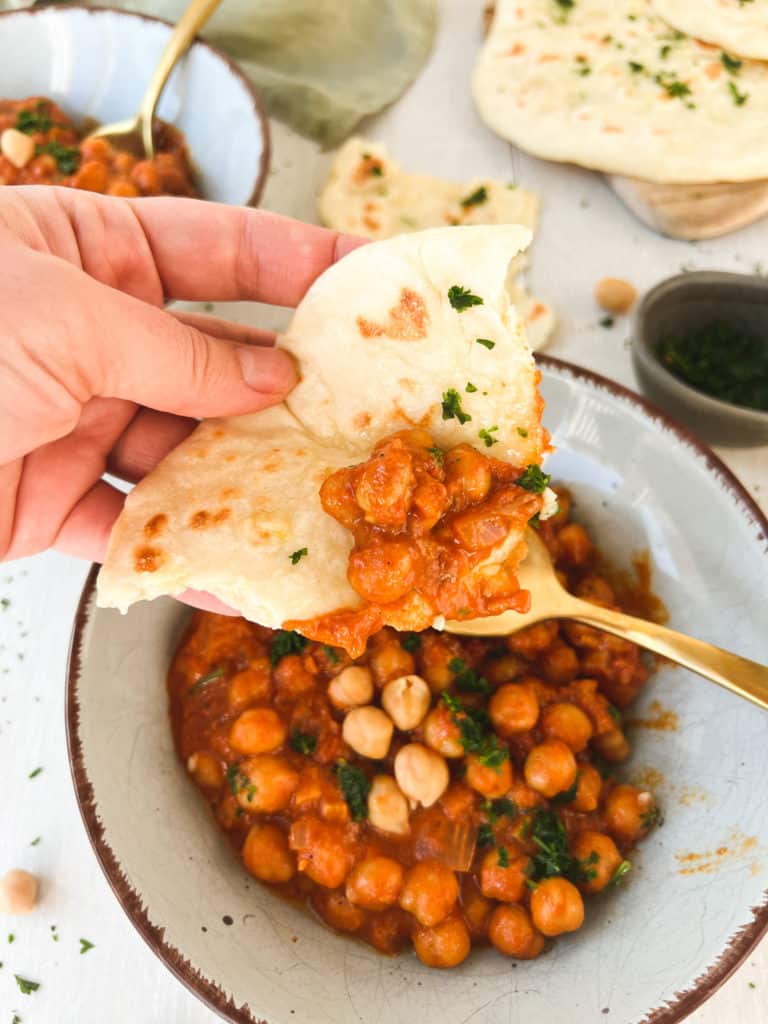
(585, 234)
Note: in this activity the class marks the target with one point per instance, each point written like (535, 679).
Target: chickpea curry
(435, 533)
(41, 145)
(437, 791)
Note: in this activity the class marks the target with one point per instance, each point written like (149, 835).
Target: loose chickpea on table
(436, 793)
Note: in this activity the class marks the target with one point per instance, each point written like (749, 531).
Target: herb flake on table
(285, 642)
(462, 298)
(5, 603)
(36, 841)
(85, 945)
(607, 321)
(534, 479)
(215, 673)
(354, 786)
(34, 773)
(11, 938)
(26, 987)
(452, 408)
(297, 556)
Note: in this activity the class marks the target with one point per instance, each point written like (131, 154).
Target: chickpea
(475, 907)
(17, 147)
(337, 911)
(205, 769)
(388, 659)
(504, 669)
(352, 687)
(375, 883)
(559, 664)
(421, 773)
(491, 782)
(629, 813)
(512, 932)
(435, 656)
(557, 907)
(144, 173)
(574, 547)
(445, 945)
(587, 790)
(123, 163)
(92, 175)
(599, 856)
(514, 708)
(532, 641)
(613, 745)
(568, 723)
(387, 806)
(498, 882)
(389, 931)
(96, 149)
(266, 855)
(441, 733)
(18, 892)
(406, 700)
(265, 783)
(550, 768)
(467, 475)
(383, 572)
(251, 686)
(257, 731)
(615, 295)
(368, 731)
(323, 849)
(429, 892)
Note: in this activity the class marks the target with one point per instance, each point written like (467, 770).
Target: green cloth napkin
(320, 65)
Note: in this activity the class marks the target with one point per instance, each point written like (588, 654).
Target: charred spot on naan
(369, 167)
(155, 526)
(147, 559)
(407, 320)
(202, 519)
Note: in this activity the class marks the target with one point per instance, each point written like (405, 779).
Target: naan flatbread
(367, 193)
(379, 343)
(739, 26)
(608, 84)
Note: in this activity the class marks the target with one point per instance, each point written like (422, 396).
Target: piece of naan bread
(608, 84)
(378, 343)
(367, 193)
(739, 26)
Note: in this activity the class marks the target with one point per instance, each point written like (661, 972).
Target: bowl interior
(97, 64)
(658, 946)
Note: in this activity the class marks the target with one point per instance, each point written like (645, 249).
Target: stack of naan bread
(669, 91)
(367, 193)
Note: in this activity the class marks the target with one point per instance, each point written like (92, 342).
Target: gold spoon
(549, 600)
(135, 133)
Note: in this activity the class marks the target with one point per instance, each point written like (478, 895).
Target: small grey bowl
(686, 302)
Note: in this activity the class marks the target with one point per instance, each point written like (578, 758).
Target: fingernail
(268, 370)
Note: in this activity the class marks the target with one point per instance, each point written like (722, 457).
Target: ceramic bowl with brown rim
(695, 902)
(96, 64)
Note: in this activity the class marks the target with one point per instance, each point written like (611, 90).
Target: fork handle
(739, 675)
(187, 27)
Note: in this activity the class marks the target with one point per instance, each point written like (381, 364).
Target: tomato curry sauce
(41, 145)
(437, 791)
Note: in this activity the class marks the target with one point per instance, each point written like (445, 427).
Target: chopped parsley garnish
(568, 795)
(476, 734)
(452, 407)
(739, 98)
(215, 673)
(486, 343)
(503, 856)
(297, 556)
(302, 742)
(522, 432)
(239, 782)
(730, 63)
(26, 987)
(85, 945)
(554, 858)
(470, 388)
(614, 713)
(286, 642)
(410, 642)
(462, 298)
(636, 68)
(651, 818)
(665, 51)
(467, 679)
(37, 120)
(485, 835)
(354, 786)
(480, 195)
(485, 436)
(437, 454)
(501, 808)
(671, 84)
(331, 654)
(621, 871)
(67, 158)
(34, 773)
(534, 479)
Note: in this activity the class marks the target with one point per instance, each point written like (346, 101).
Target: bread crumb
(615, 295)
(18, 892)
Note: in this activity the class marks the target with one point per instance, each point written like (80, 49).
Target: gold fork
(549, 600)
(135, 133)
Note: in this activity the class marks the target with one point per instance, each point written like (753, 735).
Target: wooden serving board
(693, 212)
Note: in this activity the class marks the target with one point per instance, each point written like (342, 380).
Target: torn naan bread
(381, 338)
(609, 85)
(740, 27)
(367, 193)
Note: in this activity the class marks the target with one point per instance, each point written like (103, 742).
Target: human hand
(96, 376)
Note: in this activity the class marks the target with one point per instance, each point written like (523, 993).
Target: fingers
(146, 440)
(85, 531)
(227, 330)
(186, 248)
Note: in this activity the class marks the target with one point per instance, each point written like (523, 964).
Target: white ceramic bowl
(96, 63)
(650, 952)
